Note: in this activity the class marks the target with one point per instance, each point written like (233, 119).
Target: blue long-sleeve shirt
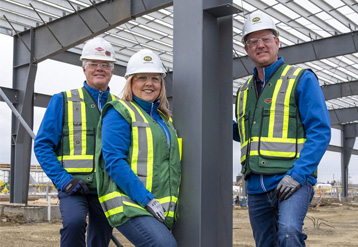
(116, 140)
(317, 125)
(50, 133)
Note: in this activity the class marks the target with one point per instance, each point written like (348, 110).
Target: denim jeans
(279, 223)
(146, 231)
(74, 210)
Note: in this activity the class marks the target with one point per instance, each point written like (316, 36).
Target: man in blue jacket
(284, 129)
(65, 148)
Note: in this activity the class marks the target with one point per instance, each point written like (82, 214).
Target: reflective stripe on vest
(142, 157)
(169, 204)
(242, 99)
(278, 126)
(277, 143)
(113, 202)
(77, 161)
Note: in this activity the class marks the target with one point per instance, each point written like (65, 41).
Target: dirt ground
(329, 225)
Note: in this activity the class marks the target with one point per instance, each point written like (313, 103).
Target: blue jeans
(146, 231)
(279, 223)
(74, 210)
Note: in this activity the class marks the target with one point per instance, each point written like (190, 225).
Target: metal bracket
(223, 10)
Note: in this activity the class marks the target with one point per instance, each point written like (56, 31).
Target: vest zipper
(99, 101)
(161, 126)
(165, 133)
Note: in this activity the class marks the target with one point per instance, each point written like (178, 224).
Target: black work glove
(155, 208)
(286, 188)
(76, 187)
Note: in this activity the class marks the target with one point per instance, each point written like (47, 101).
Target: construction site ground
(327, 224)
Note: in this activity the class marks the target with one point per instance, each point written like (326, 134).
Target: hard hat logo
(258, 21)
(98, 49)
(144, 61)
(147, 58)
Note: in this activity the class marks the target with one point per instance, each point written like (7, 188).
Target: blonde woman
(138, 160)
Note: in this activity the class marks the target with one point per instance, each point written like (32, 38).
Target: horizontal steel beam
(340, 90)
(11, 94)
(343, 115)
(64, 33)
(339, 149)
(40, 100)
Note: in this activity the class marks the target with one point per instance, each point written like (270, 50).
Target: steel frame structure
(57, 29)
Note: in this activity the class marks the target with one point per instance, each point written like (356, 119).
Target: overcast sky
(53, 77)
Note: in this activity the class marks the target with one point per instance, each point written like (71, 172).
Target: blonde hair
(163, 101)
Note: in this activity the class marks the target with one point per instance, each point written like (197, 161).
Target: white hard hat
(98, 49)
(258, 21)
(144, 61)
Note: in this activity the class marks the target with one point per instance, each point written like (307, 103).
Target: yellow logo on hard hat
(147, 58)
(256, 19)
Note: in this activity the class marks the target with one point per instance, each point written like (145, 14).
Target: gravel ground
(329, 225)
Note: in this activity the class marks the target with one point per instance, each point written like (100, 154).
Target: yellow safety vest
(271, 132)
(80, 119)
(156, 165)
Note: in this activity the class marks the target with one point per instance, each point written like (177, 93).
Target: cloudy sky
(53, 77)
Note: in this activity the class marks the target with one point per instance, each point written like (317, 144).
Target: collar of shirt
(269, 70)
(148, 107)
(259, 85)
(95, 94)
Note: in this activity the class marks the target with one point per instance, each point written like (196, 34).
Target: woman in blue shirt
(139, 162)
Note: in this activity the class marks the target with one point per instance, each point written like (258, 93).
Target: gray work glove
(286, 188)
(155, 208)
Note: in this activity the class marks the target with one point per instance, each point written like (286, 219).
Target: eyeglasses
(144, 78)
(106, 66)
(266, 39)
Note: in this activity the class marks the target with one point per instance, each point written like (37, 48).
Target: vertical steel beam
(202, 107)
(349, 134)
(24, 73)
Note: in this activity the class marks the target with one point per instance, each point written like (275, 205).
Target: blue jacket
(50, 133)
(315, 118)
(116, 139)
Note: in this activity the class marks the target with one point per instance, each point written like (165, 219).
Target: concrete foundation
(31, 213)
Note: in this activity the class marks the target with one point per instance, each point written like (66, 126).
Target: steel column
(202, 107)
(349, 134)
(24, 73)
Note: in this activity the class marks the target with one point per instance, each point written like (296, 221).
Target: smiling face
(147, 86)
(262, 53)
(97, 77)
